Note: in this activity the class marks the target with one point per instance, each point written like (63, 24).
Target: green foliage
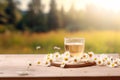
(10, 11)
(96, 41)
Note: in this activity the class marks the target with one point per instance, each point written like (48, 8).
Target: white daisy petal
(62, 65)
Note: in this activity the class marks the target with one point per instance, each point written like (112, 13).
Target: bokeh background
(25, 24)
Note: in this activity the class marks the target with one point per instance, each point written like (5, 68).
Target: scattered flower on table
(99, 62)
(112, 64)
(62, 65)
(38, 47)
(117, 61)
(56, 48)
(48, 63)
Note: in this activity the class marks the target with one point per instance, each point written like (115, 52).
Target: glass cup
(74, 45)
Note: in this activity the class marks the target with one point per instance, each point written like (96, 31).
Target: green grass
(96, 41)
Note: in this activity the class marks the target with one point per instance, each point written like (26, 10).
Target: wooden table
(11, 64)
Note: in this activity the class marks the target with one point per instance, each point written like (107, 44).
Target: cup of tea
(74, 45)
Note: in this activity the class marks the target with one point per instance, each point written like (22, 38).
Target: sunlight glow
(113, 5)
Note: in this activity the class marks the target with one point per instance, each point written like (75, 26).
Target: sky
(80, 4)
(113, 5)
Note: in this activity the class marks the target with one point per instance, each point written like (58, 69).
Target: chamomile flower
(56, 48)
(62, 65)
(85, 56)
(112, 64)
(108, 63)
(49, 56)
(66, 59)
(38, 47)
(75, 60)
(103, 56)
(99, 62)
(48, 63)
(111, 58)
(95, 58)
(48, 60)
(117, 61)
(56, 54)
(104, 61)
(67, 54)
(91, 54)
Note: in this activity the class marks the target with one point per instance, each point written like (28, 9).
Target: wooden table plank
(11, 64)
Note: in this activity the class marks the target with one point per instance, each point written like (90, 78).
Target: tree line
(36, 20)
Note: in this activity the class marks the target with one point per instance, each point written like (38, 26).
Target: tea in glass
(74, 45)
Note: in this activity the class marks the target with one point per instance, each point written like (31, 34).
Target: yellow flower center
(90, 55)
(75, 60)
(108, 63)
(66, 59)
(56, 55)
(99, 62)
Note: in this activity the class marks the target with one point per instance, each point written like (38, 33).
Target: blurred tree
(34, 19)
(71, 20)
(13, 14)
(2, 13)
(10, 11)
(36, 6)
(53, 17)
(62, 17)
